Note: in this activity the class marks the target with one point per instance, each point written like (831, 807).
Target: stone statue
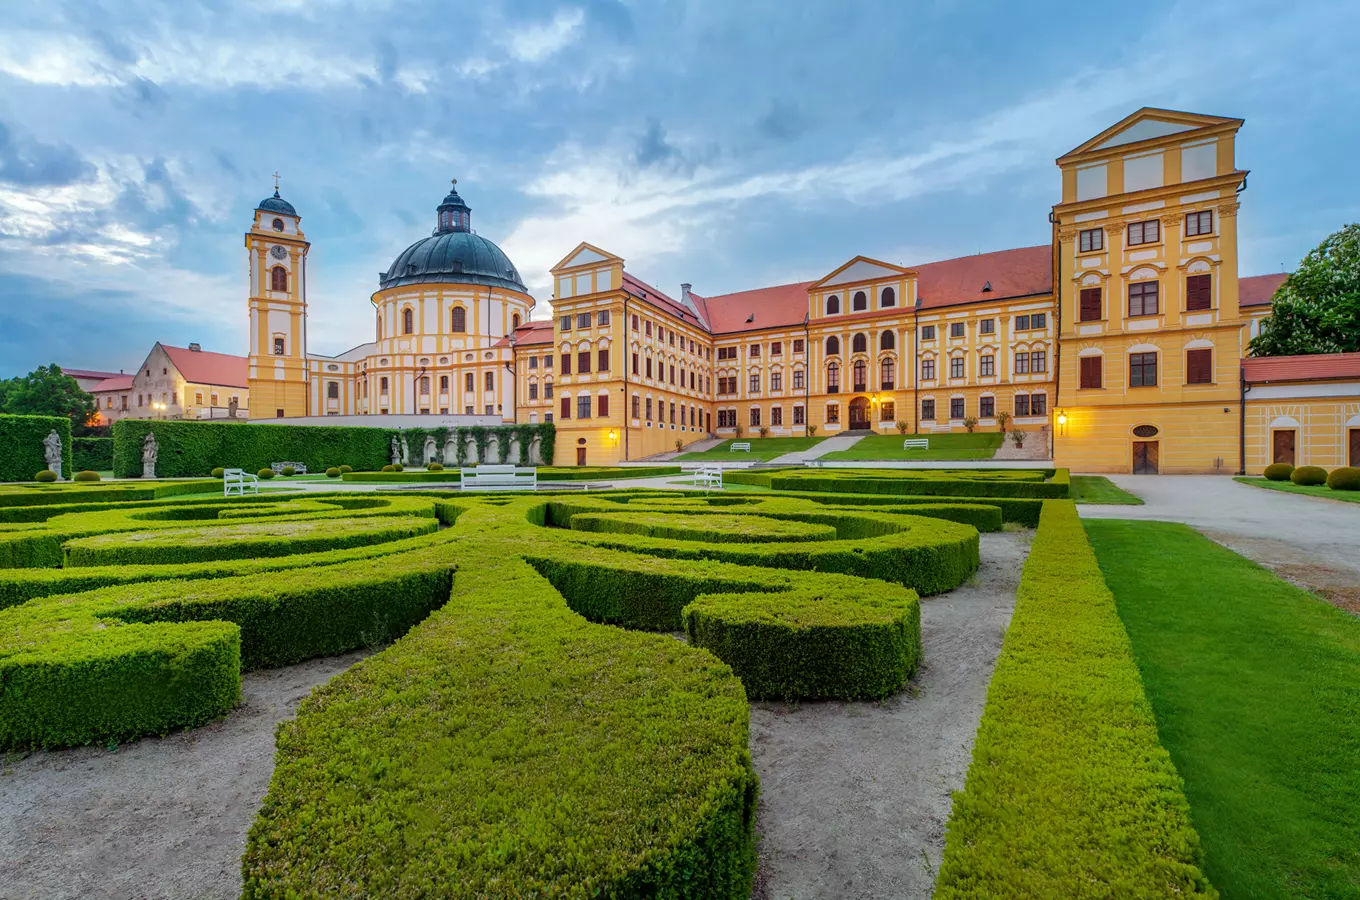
(395, 452)
(233, 406)
(52, 453)
(149, 453)
(405, 452)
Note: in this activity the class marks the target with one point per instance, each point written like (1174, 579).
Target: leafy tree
(47, 391)
(1317, 309)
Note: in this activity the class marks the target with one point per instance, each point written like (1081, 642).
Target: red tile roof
(204, 367)
(115, 383)
(1318, 367)
(88, 373)
(1022, 272)
(1259, 290)
(656, 298)
(771, 307)
(539, 331)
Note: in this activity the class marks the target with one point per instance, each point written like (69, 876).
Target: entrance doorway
(580, 456)
(859, 414)
(1145, 457)
(1283, 441)
(1354, 455)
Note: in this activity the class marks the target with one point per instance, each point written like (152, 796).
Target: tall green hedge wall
(189, 449)
(94, 454)
(21, 445)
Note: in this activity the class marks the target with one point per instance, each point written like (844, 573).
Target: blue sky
(731, 145)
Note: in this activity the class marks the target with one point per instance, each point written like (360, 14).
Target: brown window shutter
(604, 406)
(566, 407)
(1090, 371)
(1090, 304)
(1199, 366)
(1199, 292)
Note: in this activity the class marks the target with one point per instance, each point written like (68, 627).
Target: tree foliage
(48, 391)
(1317, 309)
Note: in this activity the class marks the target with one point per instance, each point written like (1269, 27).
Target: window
(956, 330)
(332, 392)
(469, 382)
(887, 341)
(777, 415)
(1038, 320)
(755, 384)
(927, 370)
(798, 346)
(798, 417)
(547, 417)
(1199, 366)
(1199, 292)
(753, 351)
(1039, 361)
(533, 362)
(636, 364)
(278, 279)
(987, 326)
(603, 404)
(777, 348)
(514, 322)
(1022, 404)
(776, 382)
(382, 384)
(833, 346)
(649, 409)
(887, 297)
(1090, 372)
(886, 372)
(798, 380)
(833, 378)
(566, 364)
(956, 367)
(583, 320)
(987, 366)
(927, 332)
(1199, 223)
(198, 397)
(833, 305)
(672, 413)
(1022, 364)
(1038, 404)
(1089, 305)
(986, 407)
(755, 416)
(566, 407)
(859, 344)
(859, 301)
(602, 317)
(603, 358)
(425, 384)
(533, 390)
(1022, 323)
(1143, 298)
(1091, 240)
(928, 409)
(547, 362)
(956, 407)
(637, 407)
(490, 381)
(833, 413)
(1149, 232)
(722, 418)
(861, 375)
(648, 370)
(672, 379)
(278, 346)
(583, 362)
(635, 322)
(887, 412)
(458, 320)
(566, 326)
(443, 384)
(1142, 369)
(408, 321)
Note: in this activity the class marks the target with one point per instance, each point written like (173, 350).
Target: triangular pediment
(586, 255)
(860, 269)
(1148, 123)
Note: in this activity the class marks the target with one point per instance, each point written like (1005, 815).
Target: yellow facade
(277, 250)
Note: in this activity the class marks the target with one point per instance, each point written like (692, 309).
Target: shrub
(970, 422)
(45, 476)
(265, 473)
(21, 445)
(344, 469)
(1309, 476)
(332, 472)
(219, 472)
(764, 431)
(1346, 478)
(1278, 471)
(679, 445)
(87, 475)
(288, 471)
(902, 427)
(94, 453)
(1018, 437)
(389, 468)
(812, 430)
(189, 447)
(1002, 419)
(434, 467)
(398, 467)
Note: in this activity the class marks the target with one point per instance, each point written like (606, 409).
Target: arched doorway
(859, 413)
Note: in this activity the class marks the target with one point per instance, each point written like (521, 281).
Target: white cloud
(535, 43)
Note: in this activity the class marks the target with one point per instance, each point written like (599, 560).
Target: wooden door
(1284, 446)
(580, 456)
(859, 413)
(1145, 457)
(1354, 455)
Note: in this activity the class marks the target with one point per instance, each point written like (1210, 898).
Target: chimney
(684, 293)
(196, 348)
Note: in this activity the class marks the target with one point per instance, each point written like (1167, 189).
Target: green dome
(453, 255)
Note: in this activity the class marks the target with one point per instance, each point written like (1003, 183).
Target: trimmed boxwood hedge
(21, 445)
(93, 453)
(1278, 471)
(193, 449)
(1309, 476)
(1345, 478)
(1070, 793)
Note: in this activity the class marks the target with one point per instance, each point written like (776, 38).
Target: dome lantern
(454, 214)
(452, 254)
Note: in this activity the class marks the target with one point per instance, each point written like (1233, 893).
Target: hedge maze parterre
(535, 727)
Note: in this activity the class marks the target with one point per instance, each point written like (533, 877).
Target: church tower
(277, 249)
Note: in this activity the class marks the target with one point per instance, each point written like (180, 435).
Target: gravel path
(855, 796)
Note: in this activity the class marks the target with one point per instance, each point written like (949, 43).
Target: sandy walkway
(855, 796)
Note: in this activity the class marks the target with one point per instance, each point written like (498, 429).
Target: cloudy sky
(729, 144)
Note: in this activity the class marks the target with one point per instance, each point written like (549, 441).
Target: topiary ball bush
(332, 472)
(434, 467)
(87, 475)
(1346, 478)
(1278, 472)
(46, 475)
(265, 473)
(389, 468)
(1309, 476)
(219, 472)
(288, 471)
(398, 467)
(344, 469)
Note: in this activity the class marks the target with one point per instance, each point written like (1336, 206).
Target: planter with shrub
(265, 473)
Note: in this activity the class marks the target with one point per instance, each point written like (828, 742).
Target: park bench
(298, 468)
(741, 445)
(916, 444)
(237, 480)
(499, 478)
(709, 476)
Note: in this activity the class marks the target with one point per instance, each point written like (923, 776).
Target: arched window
(861, 375)
(886, 375)
(860, 301)
(833, 345)
(278, 279)
(514, 321)
(425, 384)
(333, 390)
(859, 344)
(887, 298)
(443, 384)
(833, 378)
(408, 321)
(458, 320)
(833, 304)
(382, 384)
(886, 341)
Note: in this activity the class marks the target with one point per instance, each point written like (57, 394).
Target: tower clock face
(278, 251)
(278, 224)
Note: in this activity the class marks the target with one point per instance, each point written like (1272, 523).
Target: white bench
(709, 476)
(499, 478)
(740, 445)
(238, 480)
(298, 468)
(916, 444)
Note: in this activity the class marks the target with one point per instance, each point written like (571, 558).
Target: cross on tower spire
(276, 181)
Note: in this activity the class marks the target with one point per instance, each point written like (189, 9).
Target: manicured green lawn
(1314, 490)
(981, 445)
(1099, 489)
(1256, 688)
(761, 449)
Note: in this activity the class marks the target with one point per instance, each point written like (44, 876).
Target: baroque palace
(1122, 340)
